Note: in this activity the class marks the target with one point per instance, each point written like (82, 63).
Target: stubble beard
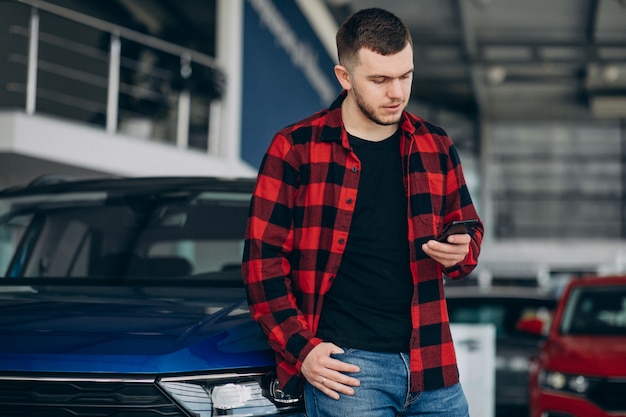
(370, 113)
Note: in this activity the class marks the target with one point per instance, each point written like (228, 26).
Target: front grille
(610, 395)
(48, 397)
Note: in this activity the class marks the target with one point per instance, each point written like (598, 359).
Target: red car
(581, 367)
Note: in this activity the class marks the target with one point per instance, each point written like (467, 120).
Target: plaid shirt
(298, 227)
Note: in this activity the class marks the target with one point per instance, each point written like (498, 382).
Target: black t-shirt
(368, 305)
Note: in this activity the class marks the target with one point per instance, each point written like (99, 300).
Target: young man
(341, 265)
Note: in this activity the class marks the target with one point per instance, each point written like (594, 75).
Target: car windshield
(117, 234)
(595, 311)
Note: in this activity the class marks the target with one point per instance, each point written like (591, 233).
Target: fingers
(333, 388)
(451, 253)
(327, 373)
(460, 239)
(336, 384)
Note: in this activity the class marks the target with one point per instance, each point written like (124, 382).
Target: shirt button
(349, 201)
(354, 169)
(342, 241)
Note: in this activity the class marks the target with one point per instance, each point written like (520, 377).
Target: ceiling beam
(471, 52)
(592, 20)
(591, 29)
(322, 22)
(505, 41)
(583, 58)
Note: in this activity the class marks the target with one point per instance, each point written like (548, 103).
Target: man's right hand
(326, 373)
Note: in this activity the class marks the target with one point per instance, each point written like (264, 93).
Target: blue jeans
(384, 391)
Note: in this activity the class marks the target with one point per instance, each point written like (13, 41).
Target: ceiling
(515, 60)
(488, 59)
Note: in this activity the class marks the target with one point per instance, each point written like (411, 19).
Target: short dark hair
(375, 29)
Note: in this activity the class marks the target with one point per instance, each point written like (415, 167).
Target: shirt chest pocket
(427, 202)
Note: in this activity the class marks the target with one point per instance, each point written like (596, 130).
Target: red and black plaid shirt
(298, 227)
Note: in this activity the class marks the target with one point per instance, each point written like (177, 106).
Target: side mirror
(532, 326)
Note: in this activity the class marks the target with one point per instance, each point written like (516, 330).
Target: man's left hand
(450, 253)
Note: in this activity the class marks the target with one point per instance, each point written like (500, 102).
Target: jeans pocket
(346, 352)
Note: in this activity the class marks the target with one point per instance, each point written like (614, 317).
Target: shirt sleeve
(459, 206)
(269, 243)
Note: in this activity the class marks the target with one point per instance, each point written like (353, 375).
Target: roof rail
(46, 179)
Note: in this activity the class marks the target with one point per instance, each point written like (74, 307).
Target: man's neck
(359, 125)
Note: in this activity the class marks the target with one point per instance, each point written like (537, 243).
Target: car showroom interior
(131, 136)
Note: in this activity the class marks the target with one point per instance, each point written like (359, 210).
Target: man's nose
(395, 89)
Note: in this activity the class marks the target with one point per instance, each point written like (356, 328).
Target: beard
(370, 112)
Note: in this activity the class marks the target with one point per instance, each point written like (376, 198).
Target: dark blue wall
(276, 90)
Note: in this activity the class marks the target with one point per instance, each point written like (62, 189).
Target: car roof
(598, 281)
(511, 292)
(137, 184)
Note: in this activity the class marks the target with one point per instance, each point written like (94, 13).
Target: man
(341, 265)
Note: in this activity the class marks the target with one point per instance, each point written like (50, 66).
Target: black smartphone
(457, 227)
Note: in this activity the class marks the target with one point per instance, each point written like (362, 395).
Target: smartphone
(457, 227)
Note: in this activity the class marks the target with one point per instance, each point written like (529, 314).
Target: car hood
(588, 355)
(128, 329)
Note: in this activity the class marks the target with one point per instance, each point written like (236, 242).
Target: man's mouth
(393, 107)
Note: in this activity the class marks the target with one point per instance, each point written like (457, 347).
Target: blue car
(124, 298)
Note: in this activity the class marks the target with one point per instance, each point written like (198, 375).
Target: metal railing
(157, 81)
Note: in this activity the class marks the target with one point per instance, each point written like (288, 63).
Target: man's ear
(343, 76)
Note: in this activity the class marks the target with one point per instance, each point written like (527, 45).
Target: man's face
(381, 84)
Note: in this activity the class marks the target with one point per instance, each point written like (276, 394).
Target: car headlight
(238, 395)
(575, 384)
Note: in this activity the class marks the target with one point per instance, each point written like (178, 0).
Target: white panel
(92, 148)
(475, 346)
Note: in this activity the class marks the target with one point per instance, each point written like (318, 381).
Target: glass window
(503, 313)
(542, 170)
(474, 313)
(11, 233)
(595, 311)
(174, 234)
